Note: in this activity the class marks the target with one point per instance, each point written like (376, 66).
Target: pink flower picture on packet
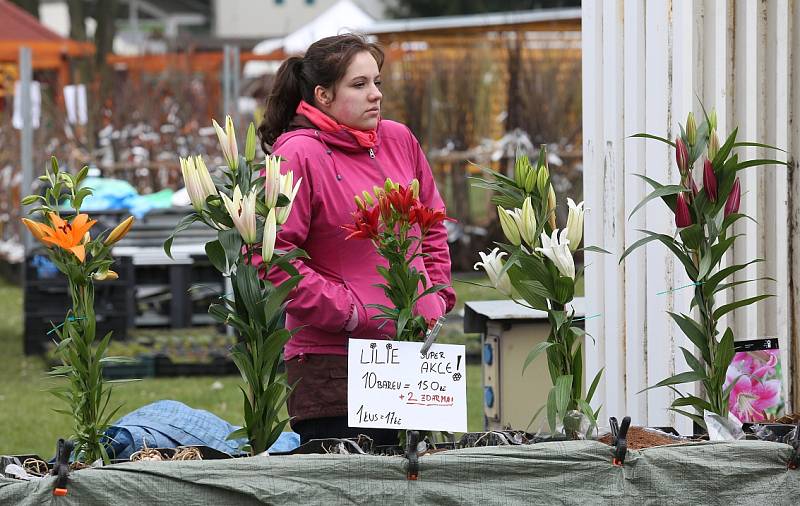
(755, 376)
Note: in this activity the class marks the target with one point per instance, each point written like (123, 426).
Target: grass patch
(29, 425)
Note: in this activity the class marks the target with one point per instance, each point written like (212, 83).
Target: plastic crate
(38, 327)
(219, 366)
(47, 294)
(144, 367)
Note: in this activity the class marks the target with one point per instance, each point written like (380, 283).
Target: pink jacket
(340, 276)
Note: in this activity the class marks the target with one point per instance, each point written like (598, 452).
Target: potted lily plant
(541, 269)
(705, 215)
(247, 205)
(396, 223)
(84, 260)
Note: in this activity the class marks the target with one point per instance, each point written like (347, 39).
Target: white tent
(342, 17)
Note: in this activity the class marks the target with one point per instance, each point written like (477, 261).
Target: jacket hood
(341, 140)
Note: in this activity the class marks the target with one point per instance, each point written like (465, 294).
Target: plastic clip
(64, 449)
(412, 440)
(618, 434)
(794, 460)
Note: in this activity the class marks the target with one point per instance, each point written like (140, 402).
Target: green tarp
(575, 472)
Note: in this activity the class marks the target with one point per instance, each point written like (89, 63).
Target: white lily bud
(272, 183)
(574, 224)
(527, 227)
(282, 213)
(509, 226)
(197, 181)
(270, 233)
(227, 142)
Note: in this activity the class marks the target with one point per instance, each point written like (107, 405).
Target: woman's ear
(322, 96)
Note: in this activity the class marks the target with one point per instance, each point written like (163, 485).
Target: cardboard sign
(390, 385)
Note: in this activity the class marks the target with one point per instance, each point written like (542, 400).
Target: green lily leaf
(710, 285)
(593, 386)
(182, 225)
(562, 388)
(651, 136)
(678, 379)
(694, 331)
(552, 409)
(216, 255)
(535, 352)
(664, 191)
(755, 163)
(727, 308)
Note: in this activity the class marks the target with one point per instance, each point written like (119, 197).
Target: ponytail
(285, 96)
(324, 64)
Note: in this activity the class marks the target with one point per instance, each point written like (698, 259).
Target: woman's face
(357, 101)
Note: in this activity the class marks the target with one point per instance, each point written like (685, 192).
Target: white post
(26, 135)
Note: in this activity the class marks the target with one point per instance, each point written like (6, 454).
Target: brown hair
(324, 64)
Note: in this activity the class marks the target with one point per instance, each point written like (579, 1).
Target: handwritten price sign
(390, 385)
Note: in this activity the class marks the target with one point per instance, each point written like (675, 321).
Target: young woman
(323, 117)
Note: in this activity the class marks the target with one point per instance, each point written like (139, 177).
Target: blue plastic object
(45, 268)
(488, 396)
(168, 424)
(488, 354)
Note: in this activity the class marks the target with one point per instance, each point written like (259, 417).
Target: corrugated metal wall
(646, 64)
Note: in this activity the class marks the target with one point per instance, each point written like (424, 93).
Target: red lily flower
(402, 200)
(427, 217)
(365, 224)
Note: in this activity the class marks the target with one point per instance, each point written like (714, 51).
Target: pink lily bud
(709, 180)
(732, 204)
(681, 156)
(682, 217)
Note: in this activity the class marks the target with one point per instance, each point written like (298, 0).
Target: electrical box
(509, 332)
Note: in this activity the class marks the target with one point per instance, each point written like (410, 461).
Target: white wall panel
(646, 65)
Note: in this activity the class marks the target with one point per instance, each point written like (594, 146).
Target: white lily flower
(556, 248)
(198, 181)
(272, 185)
(492, 263)
(509, 225)
(243, 212)
(227, 141)
(270, 232)
(282, 213)
(574, 224)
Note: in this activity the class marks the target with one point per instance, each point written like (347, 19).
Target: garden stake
(618, 434)
(794, 461)
(412, 436)
(61, 466)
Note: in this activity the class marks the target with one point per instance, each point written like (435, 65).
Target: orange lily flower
(36, 228)
(69, 236)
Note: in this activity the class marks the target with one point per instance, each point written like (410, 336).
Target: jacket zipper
(371, 153)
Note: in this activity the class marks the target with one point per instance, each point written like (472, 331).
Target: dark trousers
(336, 427)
